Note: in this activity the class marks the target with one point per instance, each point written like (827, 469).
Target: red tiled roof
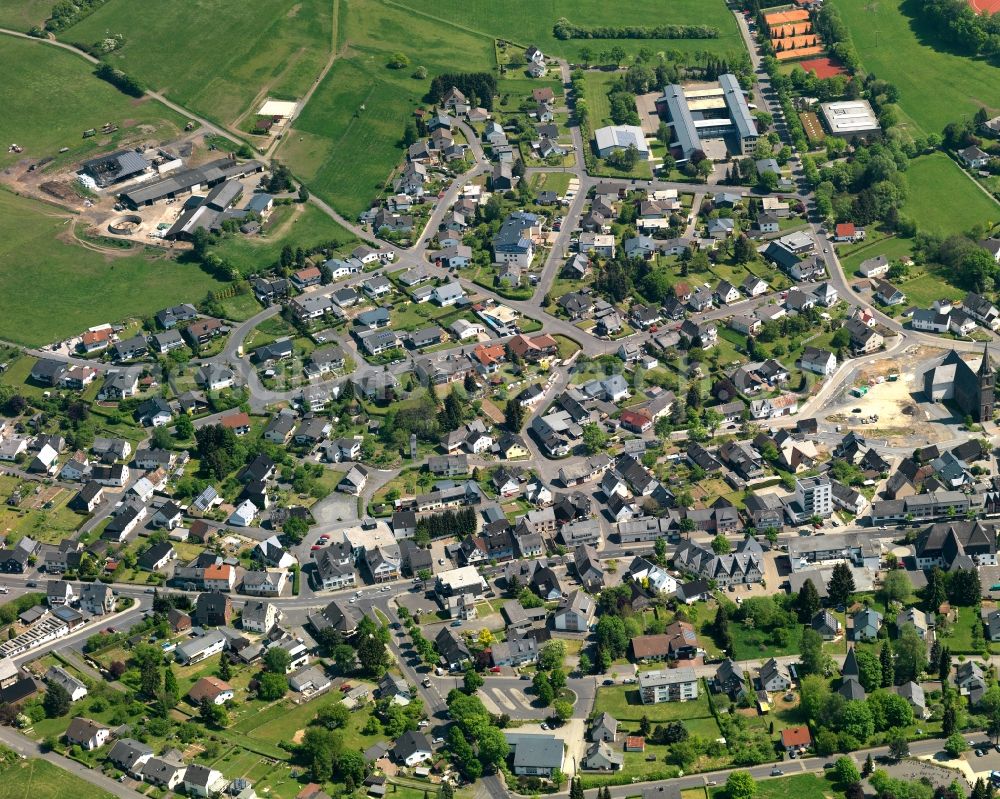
(845, 229)
(796, 736)
(235, 420)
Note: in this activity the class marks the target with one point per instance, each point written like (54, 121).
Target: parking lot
(508, 696)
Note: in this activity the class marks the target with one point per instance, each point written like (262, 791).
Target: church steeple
(985, 369)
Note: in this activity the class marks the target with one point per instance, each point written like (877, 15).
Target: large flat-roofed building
(849, 118)
(706, 111)
(620, 137)
(686, 137)
(188, 180)
(464, 580)
(739, 113)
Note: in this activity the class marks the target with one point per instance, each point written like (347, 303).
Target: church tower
(986, 381)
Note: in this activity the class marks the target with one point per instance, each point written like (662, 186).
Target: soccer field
(936, 87)
(217, 58)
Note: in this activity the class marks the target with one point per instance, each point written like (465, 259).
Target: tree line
(68, 12)
(479, 88)
(448, 523)
(962, 28)
(564, 29)
(124, 83)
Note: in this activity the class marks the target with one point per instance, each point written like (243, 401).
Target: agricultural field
(233, 55)
(932, 177)
(894, 45)
(347, 140)
(525, 23)
(46, 278)
(74, 100)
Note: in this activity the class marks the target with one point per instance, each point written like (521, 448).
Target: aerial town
(434, 401)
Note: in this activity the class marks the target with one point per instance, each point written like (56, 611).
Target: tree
(552, 655)
(493, 747)
(841, 584)
(344, 657)
(611, 636)
(170, 685)
(57, 701)
(276, 660)
(911, 656)
(845, 772)
(514, 415)
(948, 719)
(333, 716)
(398, 61)
(271, 686)
(814, 660)
(721, 545)
(869, 766)
(563, 709)
(955, 744)
(807, 602)
(741, 785)
(472, 681)
(896, 587)
(225, 671)
(584, 663)
(869, 669)
(887, 661)
(372, 655)
(899, 748)
(594, 438)
(543, 688)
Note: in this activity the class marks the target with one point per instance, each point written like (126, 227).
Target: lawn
(935, 176)
(74, 100)
(41, 780)
(622, 702)
(595, 90)
(297, 225)
(893, 248)
(799, 786)
(234, 55)
(348, 138)
(53, 288)
(525, 22)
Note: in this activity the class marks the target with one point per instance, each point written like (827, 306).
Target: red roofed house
(534, 348)
(796, 740)
(219, 577)
(239, 423)
(635, 743)
(845, 231)
(94, 340)
(635, 421)
(310, 276)
(489, 357)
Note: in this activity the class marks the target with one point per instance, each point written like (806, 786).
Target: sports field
(53, 287)
(529, 22)
(348, 138)
(216, 57)
(934, 177)
(66, 99)
(936, 87)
